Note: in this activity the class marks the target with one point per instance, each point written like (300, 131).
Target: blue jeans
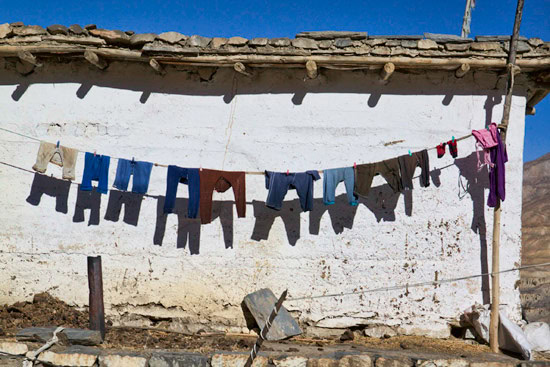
(331, 179)
(278, 184)
(140, 170)
(188, 176)
(96, 168)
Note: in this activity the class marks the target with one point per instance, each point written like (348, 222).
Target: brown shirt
(221, 181)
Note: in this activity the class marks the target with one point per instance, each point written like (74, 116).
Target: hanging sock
(453, 148)
(440, 150)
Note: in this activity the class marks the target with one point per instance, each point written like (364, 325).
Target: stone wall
(176, 273)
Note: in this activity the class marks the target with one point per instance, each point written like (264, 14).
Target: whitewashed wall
(275, 121)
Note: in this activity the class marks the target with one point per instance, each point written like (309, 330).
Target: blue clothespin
(410, 153)
(132, 159)
(58, 143)
(453, 139)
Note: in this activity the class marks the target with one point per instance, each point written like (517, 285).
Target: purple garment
(497, 173)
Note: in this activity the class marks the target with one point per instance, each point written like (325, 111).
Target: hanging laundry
(331, 179)
(485, 139)
(364, 173)
(497, 173)
(96, 168)
(453, 148)
(221, 181)
(189, 177)
(278, 184)
(141, 172)
(408, 164)
(59, 155)
(440, 150)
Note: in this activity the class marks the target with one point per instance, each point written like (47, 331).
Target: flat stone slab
(35, 334)
(13, 348)
(167, 359)
(74, 336)
(260, 304)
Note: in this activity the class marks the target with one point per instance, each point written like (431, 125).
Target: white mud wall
(176, 273)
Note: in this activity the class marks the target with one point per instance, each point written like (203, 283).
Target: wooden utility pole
(467, 19)
(511, 68)
(95, 284)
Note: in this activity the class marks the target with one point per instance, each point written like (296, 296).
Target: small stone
(321, 362)
(393, 43)
(17, 349)
(375, 42)
(258, 42)
(116, 360)
(218, 42)
(58, 29)
(35, 334)
(112, 37)
(279, 42)
(485, 46)
(427, 45)
(342, 42)
(236, 360)
(17, 24)
(325, 44)
(363, 50)
(5, 30)
(90, 26)
(535, 42)
(457, 46)
(76, 29)
(82, 336)
(393, 362)
(409, 43)
(398, 37)
(67, 359)
(171, 37)
(362, 360)
(291, 362)
(168, 359)
(130, 33)
(30, 30)
(522, 47)
(237, 41)
(447, 38)
(142, 38)
(382, 51)
(497, 38)
(379, 331)
(347, 335)
(306, 43)
(198, 41)
(324, 35)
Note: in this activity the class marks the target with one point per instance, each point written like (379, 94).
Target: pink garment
(486, 139)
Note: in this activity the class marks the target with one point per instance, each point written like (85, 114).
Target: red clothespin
(287, 172)
(354, 165)
(95, 151)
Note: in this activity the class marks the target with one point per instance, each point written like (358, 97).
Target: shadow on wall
(226, 83)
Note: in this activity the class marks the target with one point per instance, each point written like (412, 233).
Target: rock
(522, 47)
(379, 331)
(90, 26)
(322, 362)
(236, 360)
(31, 30)
(151, 47)
(94, 41)
(325, 44)
(35, 334)
(68, 359)
(363, 50)
(16, 349)
(260, 304)
(447, 38)
(116, 360)
(111, 36)
(457, 46)
(376, 42)
(393, 43)
(58, 29)
(325, 35)
(258, 42)
(382, 51)
(291, 362)
(17, 24)
(171, 37)
(83, 337)
(394, 37)
(279, 42)
(5, 30)
(76, 29)
(342, 42)
(306, 43)
(443, 363)
(130, 33)
(347, 335)
(393, 362)
(218, 42)
(427, 45)
(485, 46)
(198, 41)
(167, 359)
(362, 360)
(493, 364)
(140, 39)
(497, 38)
(237, 41)
(409, 44)
(535, 42)
(11, 361)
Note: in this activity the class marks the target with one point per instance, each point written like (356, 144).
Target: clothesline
(165, 165)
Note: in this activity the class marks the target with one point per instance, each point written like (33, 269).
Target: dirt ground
(46, 310)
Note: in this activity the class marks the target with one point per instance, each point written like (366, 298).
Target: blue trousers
(188, 176)
(278, 184)
(96, 168)
(331, 179)
(140, 170)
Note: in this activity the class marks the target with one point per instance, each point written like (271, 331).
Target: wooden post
(462, 70)
(95, 60)
(387, 71)
(311, 69)
(466, 20)
(95, 284)
(495, 296)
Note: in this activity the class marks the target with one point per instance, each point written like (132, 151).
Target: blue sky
(285, 18)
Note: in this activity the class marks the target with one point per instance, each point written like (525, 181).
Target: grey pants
(62, 156)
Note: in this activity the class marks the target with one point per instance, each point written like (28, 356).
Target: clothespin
(453, 139)
(58, 143)
(354, 165)
(132, 159)
(410, 153)
(95, 152)
(200, 168)
(287, 172)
